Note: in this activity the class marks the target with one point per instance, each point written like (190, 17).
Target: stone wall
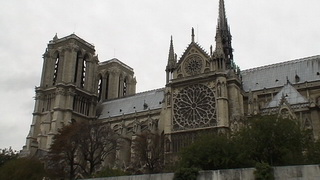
(307, 172)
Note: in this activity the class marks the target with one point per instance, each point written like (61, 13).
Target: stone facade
(204, 92)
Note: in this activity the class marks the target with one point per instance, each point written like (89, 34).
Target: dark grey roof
(276, 75)
(138, 103)
(291, 95)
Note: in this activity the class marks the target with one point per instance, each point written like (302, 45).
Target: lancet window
(124, 88)
(83, 70)
(56, 68)
(107, 86)
(100, 87)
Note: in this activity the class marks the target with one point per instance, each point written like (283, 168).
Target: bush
(186, 174)
(22, 168)
(263, 172)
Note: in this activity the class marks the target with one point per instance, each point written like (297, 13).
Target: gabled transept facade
(203, 92)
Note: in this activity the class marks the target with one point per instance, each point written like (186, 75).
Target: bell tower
(67, 90)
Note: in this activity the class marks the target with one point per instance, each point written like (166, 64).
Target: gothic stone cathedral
(203, 92)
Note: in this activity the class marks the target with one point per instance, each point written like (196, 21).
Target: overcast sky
(137, 32)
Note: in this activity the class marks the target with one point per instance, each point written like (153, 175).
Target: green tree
(211, 152)
(272, 140)
(313, 152)
(62, 155)
(22, 168)
(149, 151)
(6, 155)
(266, 139)
(95, 142)
(80, 148)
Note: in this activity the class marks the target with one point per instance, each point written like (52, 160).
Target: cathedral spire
(171, 60)
(192, 35)
(223, 37)
(222, 21)
(171, 57)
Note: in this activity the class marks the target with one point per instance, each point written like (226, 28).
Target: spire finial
(171, 61)
(192, 35)
(171, 57)
(222, 22)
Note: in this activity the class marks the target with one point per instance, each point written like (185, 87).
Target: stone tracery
(194, 107)
(193, 65)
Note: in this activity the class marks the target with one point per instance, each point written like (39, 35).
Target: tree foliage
(6, 155)
(149, 152)
(263, 172)
(186, 174)
(22, 168)
(272, 140)
(313, 152)
(212, 152)
(266, 139)
(80, 148)
(96, 142)
(63, 152)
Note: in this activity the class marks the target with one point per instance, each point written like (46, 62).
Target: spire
(192, 35)
(222, 21)
(223, 37)
(171, 57)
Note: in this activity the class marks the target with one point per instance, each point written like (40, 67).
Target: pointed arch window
(83, 71)
(77, 66)
(120, 86)
(107, 86)
(56, 68)
(100, 87)
(125, 86)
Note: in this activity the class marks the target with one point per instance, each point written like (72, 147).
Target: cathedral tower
(67, 90)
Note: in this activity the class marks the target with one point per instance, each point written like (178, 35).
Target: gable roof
(137, 103)
(197, 46)
(291, 95)
(276, 75)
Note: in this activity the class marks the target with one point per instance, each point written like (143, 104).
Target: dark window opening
(56, 68)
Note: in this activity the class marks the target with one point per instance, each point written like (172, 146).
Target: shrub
(186, 174)
(263, 172)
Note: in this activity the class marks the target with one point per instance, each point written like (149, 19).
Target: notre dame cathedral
(203, 92)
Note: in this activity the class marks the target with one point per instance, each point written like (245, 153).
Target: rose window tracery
(193, 65)
(194, 107)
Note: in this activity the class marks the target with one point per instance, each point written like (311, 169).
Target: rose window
(193, 65)
(194, 107)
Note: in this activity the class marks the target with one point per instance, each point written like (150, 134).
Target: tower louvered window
(76, 67)
(124, 90)
(56, 68)
(100, 87)
(83, 72)
(107, 86)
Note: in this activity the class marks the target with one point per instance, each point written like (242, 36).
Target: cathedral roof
(71, 36)
(288, 93)
(137, 103)
(115, 60)
(277, 75)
